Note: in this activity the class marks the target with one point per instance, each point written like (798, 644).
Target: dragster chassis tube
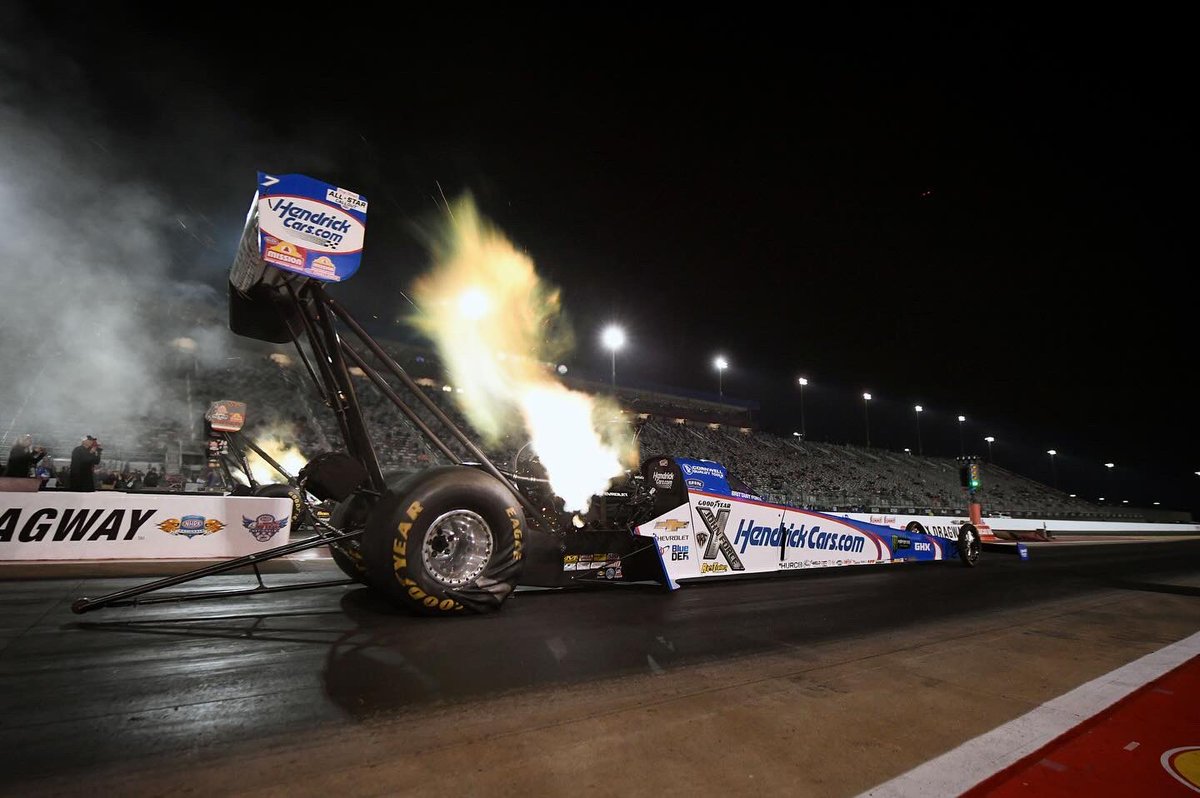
(409, 383)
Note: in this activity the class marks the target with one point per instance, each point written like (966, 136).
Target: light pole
(1053, 473)
(1108, 467)
(961, 419)
(990, 440)
(721, 364)
(867, 416)
(920, 449)
(803, 432)
(613, 339)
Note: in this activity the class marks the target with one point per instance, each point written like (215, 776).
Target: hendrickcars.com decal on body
(713, 535)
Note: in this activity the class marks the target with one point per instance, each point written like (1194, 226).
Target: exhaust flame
(286, 454)
(496, 325)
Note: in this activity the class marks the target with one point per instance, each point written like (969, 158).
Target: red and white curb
(960, 769)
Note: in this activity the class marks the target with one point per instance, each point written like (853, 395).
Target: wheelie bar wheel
(449, 539)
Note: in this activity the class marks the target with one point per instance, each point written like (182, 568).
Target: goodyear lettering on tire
(400, 563)
(516, 530)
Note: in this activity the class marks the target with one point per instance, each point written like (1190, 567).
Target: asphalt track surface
(79, 693)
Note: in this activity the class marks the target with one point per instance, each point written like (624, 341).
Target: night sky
(980, 212)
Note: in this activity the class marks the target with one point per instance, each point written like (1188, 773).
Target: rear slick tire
(447, 541)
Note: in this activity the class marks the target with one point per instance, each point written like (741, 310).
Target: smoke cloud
(89, 308)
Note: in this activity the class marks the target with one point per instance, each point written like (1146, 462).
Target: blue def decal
(309, 227)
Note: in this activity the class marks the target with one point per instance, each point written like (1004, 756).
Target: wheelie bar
(129, 596)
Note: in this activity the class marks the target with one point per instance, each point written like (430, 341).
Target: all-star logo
(715, 539)
(264, 527)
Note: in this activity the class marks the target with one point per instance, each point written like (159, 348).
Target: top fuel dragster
(460, 537)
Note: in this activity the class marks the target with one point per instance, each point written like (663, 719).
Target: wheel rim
(457, 547)
(973, 546)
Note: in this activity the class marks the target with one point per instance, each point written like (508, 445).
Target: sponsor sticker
(265, 526)
(191, 526)
(663, 479)
(309, 227)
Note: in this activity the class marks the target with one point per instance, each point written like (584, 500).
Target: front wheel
(349, 515)
(969, 545)
(449, 539)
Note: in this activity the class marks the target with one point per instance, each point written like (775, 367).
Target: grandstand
(284, 406)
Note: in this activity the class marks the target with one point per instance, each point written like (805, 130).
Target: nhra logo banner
(107, 525)
(309, 227)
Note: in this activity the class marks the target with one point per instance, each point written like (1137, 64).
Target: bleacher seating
(284, 405)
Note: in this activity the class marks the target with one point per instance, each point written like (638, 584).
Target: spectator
(84, 459)
(151, 480)
(23, 457)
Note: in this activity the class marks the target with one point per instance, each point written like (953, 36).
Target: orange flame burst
(498, 329)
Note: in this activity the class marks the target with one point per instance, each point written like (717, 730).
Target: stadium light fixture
(720, 364)
(613, 339)
(1157, 503)
(1110, 465)
(961, 419)
(867, 416)
(919, 410)
(803, 429)
(1053, 473)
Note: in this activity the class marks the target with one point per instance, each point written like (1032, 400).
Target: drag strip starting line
(983, 757)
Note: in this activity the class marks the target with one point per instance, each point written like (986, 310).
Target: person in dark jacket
(151, 480)
(84, 458)
(23, 457)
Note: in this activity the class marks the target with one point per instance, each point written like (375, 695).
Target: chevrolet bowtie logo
(671, 525)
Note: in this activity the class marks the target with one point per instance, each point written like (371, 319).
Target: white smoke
(85, 253)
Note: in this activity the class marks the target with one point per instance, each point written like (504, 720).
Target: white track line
(956, 771)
